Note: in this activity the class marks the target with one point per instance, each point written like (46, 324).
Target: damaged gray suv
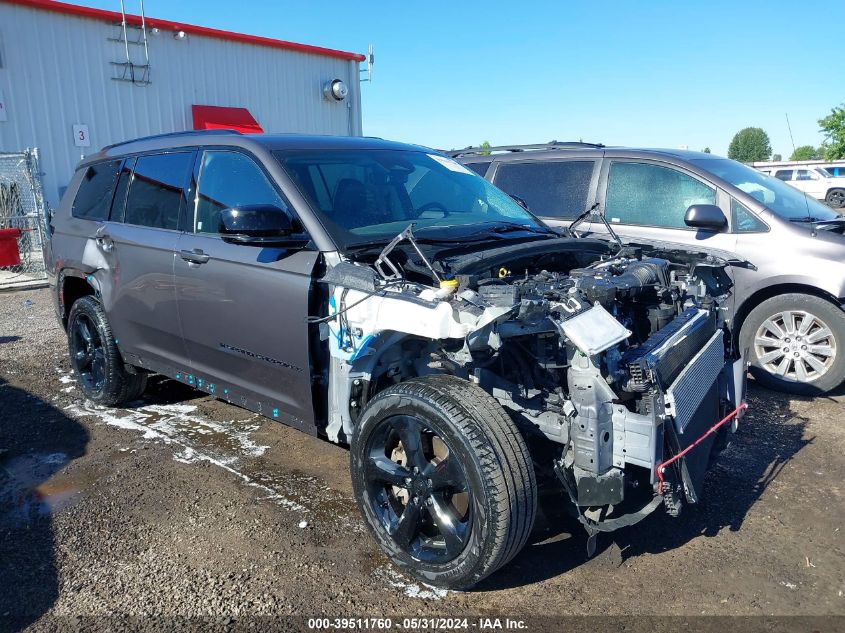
(383, 296)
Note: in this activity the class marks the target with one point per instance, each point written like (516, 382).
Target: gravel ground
(183, 505)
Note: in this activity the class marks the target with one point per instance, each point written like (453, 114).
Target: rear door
(556, 190)
(139, 243)
(243, 308)
(810, 182)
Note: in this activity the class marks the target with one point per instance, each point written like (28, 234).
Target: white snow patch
(173, 424)
(66, 378)
(176, 419)
(408, 587)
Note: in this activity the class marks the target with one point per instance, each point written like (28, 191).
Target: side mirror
(705, 216)
(519, 201)
(259, 225)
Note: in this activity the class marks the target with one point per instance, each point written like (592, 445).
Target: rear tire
(467, 508)
(784, 356)
(95, 358)
(835, 198)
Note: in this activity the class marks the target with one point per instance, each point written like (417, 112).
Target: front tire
(796, 344)
(444, 480)
(95, 359)
(835, 198)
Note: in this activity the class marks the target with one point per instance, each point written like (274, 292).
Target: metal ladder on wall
(135, 72)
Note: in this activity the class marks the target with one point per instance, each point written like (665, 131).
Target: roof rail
(469, 151)
(169, 134)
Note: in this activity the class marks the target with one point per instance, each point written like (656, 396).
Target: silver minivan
(788, 249)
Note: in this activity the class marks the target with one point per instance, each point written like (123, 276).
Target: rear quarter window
(94, 196)
(557, 189)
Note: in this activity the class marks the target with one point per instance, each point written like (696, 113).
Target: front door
(243, 308)
(648, 201)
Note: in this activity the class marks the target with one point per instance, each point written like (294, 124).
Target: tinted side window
(744, 221)
(155, 195)
(94, 196)
(553, 189)
(479, 168)
(805, 174)
(228, 180)
(783, 174)
(652, 195)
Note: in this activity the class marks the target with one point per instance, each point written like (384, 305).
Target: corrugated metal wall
(56, 73)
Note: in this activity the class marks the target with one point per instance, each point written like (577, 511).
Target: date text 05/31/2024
(418, 623)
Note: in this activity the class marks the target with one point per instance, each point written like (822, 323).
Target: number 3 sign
(80, 136)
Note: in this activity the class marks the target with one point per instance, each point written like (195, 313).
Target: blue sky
(659, 74)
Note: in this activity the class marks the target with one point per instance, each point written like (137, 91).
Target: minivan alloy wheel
(795, 345)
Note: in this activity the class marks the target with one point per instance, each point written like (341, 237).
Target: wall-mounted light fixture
(180, 35)
(335, 90)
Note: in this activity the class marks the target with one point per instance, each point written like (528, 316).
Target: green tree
(805, 152)
(777, 157)
(706, 150)
(749, 145)
(486, 146)
(833, 128)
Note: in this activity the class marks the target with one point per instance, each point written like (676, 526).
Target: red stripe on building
(114, 17)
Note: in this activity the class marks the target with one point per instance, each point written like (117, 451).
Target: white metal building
(73, 79)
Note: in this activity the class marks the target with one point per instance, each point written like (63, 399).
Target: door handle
(195, 256)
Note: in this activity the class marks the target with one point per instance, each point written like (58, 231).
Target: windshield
(823, 172)
(780, 198)
(365, 196)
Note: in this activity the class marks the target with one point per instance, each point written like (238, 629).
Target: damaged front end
(617, 367)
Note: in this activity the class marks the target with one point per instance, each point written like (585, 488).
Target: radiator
(684, 396)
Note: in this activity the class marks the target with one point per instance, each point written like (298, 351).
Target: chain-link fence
(22, 221)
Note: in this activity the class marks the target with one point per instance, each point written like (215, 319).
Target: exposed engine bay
(610, 362)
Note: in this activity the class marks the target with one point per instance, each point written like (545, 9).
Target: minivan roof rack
(469, 151)
(170, 134)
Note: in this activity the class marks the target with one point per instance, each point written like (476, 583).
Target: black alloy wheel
(417, 489)
(95, 358)
(88, 354)
(444, 480)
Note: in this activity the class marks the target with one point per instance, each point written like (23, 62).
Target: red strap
(662, 467)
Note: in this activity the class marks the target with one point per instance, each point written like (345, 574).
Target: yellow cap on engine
(448, 284)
